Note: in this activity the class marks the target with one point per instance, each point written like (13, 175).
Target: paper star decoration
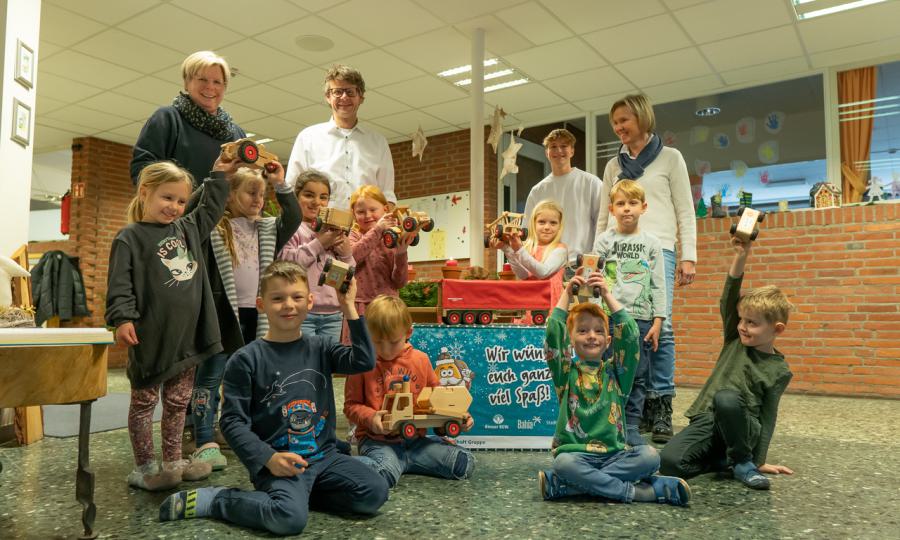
(509, 157)
(419, 142)
(496, 127)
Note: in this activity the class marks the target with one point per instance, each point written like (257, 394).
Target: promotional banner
(513, 401)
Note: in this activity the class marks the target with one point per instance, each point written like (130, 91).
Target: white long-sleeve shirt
(670, 205)
(578, 193)
(350, 157)
(525, 265)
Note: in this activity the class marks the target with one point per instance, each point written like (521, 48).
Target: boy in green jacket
(733, 417)
(591, 457)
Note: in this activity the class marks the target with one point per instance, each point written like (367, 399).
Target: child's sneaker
(670, 490)
(750, 476)
(188, 469)
(149, 477)
(551, 486)
(210, 453)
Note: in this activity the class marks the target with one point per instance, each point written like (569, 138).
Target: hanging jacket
(57, 288)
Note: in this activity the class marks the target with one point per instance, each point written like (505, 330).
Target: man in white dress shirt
(576, 191)
(350, 153)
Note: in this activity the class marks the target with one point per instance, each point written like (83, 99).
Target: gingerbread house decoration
(825, 195)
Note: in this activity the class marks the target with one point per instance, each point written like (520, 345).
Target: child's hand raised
(347, 301)
(515, 241)
(497, 243)
(274, 173)
(286, 464)
(386, 222)
(227, 166)
(126, 334)
(741, 247)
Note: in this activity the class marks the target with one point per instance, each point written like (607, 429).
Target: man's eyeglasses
(338, 92)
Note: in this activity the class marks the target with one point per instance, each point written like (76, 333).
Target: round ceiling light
(708, 111)
(313, 43)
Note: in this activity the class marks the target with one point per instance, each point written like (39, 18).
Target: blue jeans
(205, 399)
(323, 324)
(429, 456)
(634, 407)
(661, 374)
(280, 505)
(611, 476)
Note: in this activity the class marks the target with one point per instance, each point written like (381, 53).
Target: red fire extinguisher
(66, 210)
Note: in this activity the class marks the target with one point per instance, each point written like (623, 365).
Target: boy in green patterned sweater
(591, 457)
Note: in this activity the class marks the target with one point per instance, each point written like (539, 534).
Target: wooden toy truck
(409, 222)
(746, 228)
(336, 274)
(443, 408)
(249, 152)
(507, 223)
(332, 217)
(587, 264)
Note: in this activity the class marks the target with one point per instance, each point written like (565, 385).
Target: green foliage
(420, 293)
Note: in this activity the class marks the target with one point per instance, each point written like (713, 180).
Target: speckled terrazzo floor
(845, 453)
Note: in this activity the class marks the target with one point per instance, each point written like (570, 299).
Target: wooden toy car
(587, 264)
(249, 152)
(746, 228)
(507, 223)
(332, 217)
(336, 274)
(409, 222)
(443, 408)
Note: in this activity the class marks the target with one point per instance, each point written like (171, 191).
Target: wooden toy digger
(249, 152)
(409, 222)
(507, 223)
(443, 408)
(746, 228)
(332, 217)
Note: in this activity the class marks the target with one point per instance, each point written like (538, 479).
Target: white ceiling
(105, 65)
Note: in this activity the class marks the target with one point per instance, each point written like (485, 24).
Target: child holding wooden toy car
(279, 418)
(590, 453)
(312, 248)
(243, 243)
(390, 326)
(542, 255)
(379, 269)
(634, 268)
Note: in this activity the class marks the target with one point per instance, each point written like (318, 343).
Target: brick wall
(840, 269)
(444, 169)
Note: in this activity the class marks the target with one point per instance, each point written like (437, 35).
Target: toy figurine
(444, 408)
(746, 228)
(874, 191)
(718, 211)
(336, 274)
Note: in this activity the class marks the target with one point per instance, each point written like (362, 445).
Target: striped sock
(188, 504)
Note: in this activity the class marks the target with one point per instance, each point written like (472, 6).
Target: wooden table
(58, 366)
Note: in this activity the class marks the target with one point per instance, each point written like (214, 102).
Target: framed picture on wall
(21, 128)
(24, 65)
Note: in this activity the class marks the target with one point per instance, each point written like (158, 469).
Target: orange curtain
(854, 86)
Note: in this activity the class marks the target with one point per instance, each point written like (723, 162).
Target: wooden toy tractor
(332, 217)
(508, 223)
(336, 274)
(746, 228)
(443, 408)
(587, 264)
(249, 152)
(409, 222)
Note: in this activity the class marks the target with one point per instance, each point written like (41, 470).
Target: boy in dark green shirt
(733, 418)
(591, 457)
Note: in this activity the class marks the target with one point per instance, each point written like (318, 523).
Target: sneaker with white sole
(151, 478)
(212, 454)
(189, 470)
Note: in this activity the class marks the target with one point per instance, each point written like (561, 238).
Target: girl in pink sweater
(379, 270)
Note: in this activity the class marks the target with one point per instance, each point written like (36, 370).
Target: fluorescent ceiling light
(487, 77)
(808, 9)
(264, 141)
(875, 108)
(853, 118)
(876, 100)
(250, 134)
(507, 84)
(465, 69)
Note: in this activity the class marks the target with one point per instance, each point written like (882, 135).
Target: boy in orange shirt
(390, 326)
